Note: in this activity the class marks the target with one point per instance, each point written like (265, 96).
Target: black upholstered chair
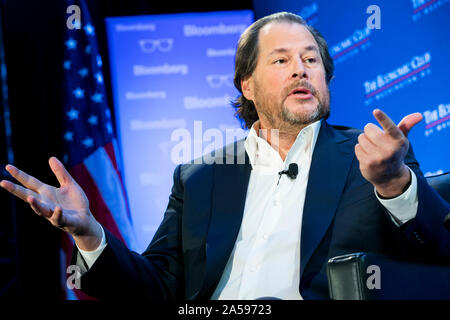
(367, 276)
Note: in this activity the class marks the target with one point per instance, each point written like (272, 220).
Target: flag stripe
(112, 150)
(109, 185)
(109, 147)
(96, 202)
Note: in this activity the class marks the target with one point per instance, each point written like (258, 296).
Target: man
(244, 231)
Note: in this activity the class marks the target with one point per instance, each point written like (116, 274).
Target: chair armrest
(366, 276)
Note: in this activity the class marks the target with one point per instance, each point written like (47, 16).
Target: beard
(322, 111)
(280, 117)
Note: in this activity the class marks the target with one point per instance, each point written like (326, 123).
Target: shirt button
(265, 236)
(253, 269)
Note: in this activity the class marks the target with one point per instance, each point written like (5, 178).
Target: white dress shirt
(265, 260)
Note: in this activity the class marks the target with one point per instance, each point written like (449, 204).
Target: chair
(367, 276)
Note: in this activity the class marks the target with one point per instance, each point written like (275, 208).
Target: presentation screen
(172, 79)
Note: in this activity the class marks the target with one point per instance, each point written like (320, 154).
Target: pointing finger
(386, 123)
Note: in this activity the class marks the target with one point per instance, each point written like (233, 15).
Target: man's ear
(248, 88)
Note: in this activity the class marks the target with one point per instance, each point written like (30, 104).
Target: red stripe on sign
(96, 202)
(398, 80)
(424, 6)
(435, 123)
(337, 55)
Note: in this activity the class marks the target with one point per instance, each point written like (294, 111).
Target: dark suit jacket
(189, 251)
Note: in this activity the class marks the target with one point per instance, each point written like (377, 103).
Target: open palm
(66, 207)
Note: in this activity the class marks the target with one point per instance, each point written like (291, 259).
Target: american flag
(90, 150)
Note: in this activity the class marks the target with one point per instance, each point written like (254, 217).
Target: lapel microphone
(291, 172)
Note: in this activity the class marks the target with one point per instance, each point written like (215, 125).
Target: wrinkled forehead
(286, 35)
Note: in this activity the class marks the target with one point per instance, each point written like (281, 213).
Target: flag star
(89, 29)
(65, 158)
(99, 77)
(93, 120)
(68, 136)
(77, 24)
(73, 114)
(83, 72)
(88, 50)
(109, 128)
(71, 44)
(108, 113)
(67, 64)
(99, 61)
(79, 93)
(97, 97)
(88, 142)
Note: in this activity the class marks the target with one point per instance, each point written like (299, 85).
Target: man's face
(289, 59)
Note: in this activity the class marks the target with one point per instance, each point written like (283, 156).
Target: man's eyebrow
(284, 50)
(278, 50)
(312, 48)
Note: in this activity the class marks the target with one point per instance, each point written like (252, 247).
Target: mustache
(302, 83)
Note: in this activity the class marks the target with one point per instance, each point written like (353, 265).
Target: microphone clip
(291, 172)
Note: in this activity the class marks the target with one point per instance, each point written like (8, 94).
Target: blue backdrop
(172, 80)
(401, 68)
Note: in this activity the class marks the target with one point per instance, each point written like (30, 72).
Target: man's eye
(311, 60)
(280, 61)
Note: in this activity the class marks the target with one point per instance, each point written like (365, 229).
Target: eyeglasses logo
(150, 45)
(218, 80)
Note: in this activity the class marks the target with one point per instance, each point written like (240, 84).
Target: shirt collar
(258, 148)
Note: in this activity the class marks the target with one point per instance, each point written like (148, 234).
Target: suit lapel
(326, 181)
(332, 157)
(228, 201)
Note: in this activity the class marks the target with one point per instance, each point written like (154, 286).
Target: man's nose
(299, 70)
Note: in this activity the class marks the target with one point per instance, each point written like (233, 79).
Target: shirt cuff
(403, 207)
(91, 256)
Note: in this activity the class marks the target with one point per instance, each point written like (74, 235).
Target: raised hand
(381, 153)
(66, 207)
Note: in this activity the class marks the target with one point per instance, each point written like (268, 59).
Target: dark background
(33, 34)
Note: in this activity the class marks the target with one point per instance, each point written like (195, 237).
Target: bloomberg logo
(191, 30)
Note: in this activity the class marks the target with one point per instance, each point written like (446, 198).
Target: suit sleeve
(426, 230)
(156, 274)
